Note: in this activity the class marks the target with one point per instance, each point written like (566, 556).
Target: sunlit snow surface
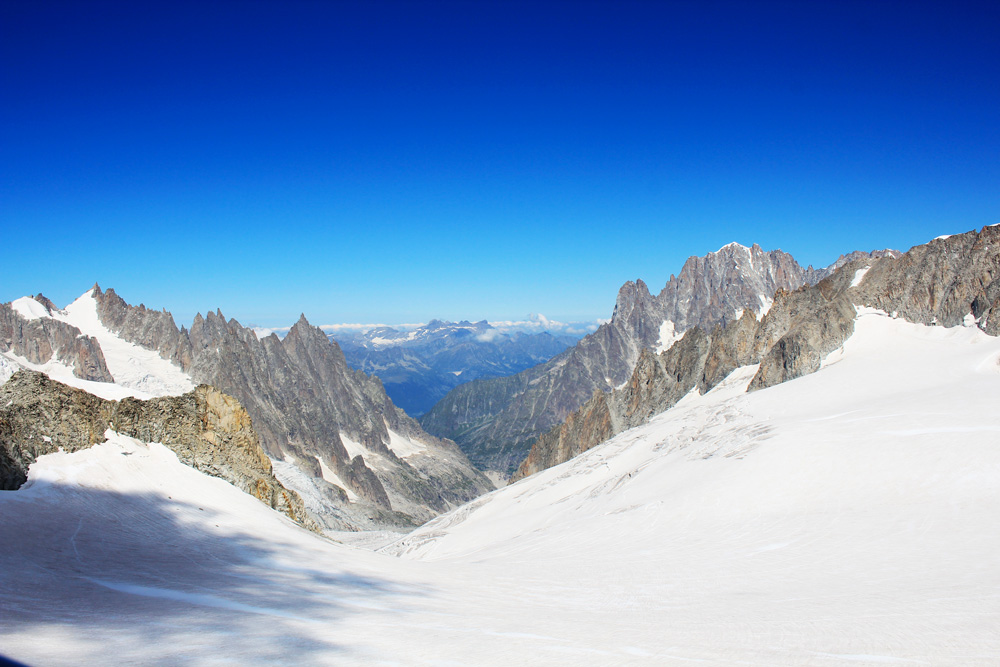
(132, 366)
(848, 517)
(29, 309)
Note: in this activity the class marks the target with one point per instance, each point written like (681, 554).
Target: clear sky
(401, 161)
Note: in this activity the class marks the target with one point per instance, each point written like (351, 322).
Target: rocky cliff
(495, 421)
(946, 282)
(208, 430)
(367, 463)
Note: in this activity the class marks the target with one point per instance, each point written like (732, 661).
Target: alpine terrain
(331, 432)
(495, 421)
(823, 492)
(945, 282)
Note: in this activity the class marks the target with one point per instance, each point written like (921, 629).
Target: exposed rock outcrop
(943, 282)
(207, 429)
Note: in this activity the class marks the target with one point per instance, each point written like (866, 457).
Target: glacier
(845, 517)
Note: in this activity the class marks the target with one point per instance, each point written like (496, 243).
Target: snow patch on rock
(668, 336)
(765, 306)
(62, 372)
(859, 275)
(403, 446)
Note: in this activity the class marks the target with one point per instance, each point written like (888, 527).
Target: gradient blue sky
(400, 161)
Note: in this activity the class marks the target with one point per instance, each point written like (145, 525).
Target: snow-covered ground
(844, 518)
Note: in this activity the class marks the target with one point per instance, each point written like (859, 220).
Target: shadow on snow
(122, 575)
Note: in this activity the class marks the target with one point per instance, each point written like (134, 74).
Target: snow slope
(137, 371)
(844, 518)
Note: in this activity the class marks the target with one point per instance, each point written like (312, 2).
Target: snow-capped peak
(733, 246)
(137, 371)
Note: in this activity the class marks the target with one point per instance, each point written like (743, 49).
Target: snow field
(844, 518)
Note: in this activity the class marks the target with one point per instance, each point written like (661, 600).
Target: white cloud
(264, 332)
(368, 327)
(537, 323)
(489, 335)
(533, 323)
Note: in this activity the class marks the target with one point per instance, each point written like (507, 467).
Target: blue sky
(396, 162)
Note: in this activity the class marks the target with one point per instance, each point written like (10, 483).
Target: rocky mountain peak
(496, 420)
(733, 247)
(631, 295)
(949, 281)
(31, 329)
(46, 302)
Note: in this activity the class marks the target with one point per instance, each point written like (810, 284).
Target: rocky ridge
(495, 421)
(944, 282)
(309, 408)
(208, 430)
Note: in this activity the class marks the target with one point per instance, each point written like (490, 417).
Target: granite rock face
(495, 421)
(208, 430)
(305, 401)
(943, 282)
(44, 339)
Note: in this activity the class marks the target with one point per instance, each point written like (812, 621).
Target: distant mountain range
(419, 366)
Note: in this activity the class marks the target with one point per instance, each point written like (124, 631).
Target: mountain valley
(806, 458)
(418, 367)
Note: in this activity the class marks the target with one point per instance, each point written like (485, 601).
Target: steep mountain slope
(333, 434)
(418, 367)
(495, 421)
(847, 517)
(946, 282)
